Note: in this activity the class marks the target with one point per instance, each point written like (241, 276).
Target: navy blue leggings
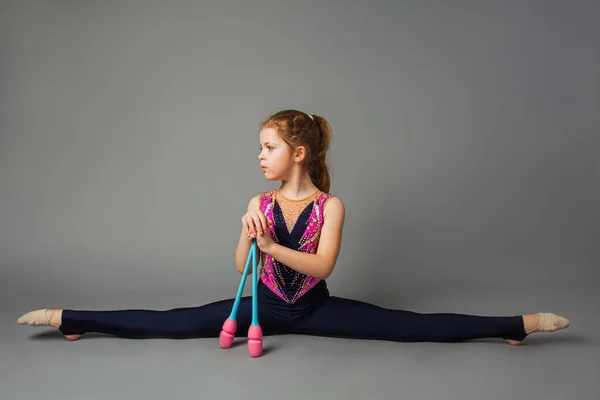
(315, 313)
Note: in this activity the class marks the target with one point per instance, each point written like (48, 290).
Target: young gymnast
(298, 230)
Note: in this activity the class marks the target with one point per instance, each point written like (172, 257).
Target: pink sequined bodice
(287, 283)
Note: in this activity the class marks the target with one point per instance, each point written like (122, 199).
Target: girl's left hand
(264, 241)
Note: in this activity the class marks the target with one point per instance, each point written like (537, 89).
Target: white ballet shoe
(550, 322)
(35, 318)
(40, 318)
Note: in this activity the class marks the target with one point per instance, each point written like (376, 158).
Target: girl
(298, 230)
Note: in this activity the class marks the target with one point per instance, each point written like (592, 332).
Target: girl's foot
(541, 322)
(45, 317)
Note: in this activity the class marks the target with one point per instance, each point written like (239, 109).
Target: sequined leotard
(297, 225)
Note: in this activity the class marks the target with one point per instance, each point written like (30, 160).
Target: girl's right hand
(254, 223)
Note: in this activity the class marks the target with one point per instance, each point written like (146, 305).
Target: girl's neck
(297, 190)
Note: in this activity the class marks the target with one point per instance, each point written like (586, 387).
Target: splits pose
(298, 229)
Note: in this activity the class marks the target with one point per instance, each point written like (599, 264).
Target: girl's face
(275, 155)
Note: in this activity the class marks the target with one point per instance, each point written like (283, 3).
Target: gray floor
(38, 363)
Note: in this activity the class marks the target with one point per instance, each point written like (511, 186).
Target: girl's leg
(346, 318)
(179, 323)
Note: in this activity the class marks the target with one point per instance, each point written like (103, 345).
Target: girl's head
(293, 142)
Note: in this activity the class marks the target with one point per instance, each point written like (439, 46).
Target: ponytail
(319, 170)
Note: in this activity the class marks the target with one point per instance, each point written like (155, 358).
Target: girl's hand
(265, 242)
(256, 226)
(254, 223)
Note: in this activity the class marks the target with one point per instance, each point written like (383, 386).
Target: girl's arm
(243, 247)
(321, 264)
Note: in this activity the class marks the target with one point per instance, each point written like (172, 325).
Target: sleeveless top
(297, 225)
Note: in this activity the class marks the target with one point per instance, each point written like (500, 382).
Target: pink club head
(226, 340)
(255, 347)
(255, 344)
(227, 334)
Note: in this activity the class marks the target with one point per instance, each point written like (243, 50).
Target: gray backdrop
(465, 148)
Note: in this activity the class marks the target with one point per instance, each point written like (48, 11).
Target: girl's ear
(300, 153)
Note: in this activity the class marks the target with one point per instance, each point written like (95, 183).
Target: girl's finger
(257, 224)
(263, 221)
(250, 227)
